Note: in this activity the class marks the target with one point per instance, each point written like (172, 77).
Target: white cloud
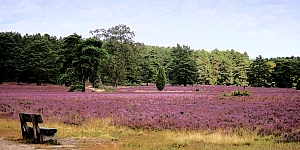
(252, 34)
(245, 25)
(265, 2)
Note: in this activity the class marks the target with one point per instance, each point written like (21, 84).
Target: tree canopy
(111, 57)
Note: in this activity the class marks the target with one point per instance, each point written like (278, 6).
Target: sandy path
(68, 143)
(13, 145)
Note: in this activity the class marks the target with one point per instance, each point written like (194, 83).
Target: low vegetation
(178, 117)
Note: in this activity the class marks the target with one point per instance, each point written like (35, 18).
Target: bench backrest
(27, 117)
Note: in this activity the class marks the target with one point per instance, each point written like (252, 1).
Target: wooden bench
(34, 132)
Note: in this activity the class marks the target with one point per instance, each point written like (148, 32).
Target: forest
(111, 57)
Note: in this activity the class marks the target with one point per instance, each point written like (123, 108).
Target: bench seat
(44, 130)
(38, 134)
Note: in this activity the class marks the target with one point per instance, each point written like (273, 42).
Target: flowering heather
(268, 110)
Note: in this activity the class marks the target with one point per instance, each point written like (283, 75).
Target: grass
(99, 134)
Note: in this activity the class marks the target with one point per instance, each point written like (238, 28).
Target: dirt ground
(14, 145)
(66, 144)
(20, 145)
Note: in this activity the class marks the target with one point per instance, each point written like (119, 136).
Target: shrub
(160, 79)
(109, 89)
(239, 93)
(225, 94)
(236, 93)
(245, 93)
(75, 87)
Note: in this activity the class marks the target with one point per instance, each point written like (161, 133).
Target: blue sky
(270, 28)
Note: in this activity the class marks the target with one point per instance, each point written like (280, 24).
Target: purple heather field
(268, 110)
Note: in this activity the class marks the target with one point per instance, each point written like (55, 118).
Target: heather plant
(272, 111)
(289, 137)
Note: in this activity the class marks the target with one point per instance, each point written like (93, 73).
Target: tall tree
(241, 65)
(215, 59)
(40, 61)
(259, 74)
(7, 52)
(204, 67)
(285, 73)
(122, 53)
(183, 66)
(225, 73)
(82, 59)
(149, 63)
(70, 51)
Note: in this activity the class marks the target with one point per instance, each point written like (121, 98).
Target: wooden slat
(35, 131)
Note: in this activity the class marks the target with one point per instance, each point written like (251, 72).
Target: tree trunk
(38, 83)
(116, 82)
(83, 86)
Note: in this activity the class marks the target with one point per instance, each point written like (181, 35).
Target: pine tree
(259, 74)
(183, 66)
(160, 79)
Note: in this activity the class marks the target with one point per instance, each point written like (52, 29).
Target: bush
(76, 88)
(160, 79)
(225, 94)
(238, 93)
(245, 93)
(109, 89)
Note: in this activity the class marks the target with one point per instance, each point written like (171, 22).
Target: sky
(270, 28)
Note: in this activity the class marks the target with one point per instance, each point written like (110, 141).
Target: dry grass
(99, 134)
(216, 137)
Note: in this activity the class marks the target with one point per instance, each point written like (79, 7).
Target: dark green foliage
(122, 66)
(8, 52)
(239, 93)
(246, 93)
(82, 59)
(40, 60)
(109, 89)
(183, 66)
(149, 63)
(160, 79)
(222, 67)
(285, 73)
(76, 87)
(118, 60)
(236, 93)
(259, 74)
(298, 85)
(225, 73)
(225, 94)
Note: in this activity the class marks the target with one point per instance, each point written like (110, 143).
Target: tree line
(111, 57)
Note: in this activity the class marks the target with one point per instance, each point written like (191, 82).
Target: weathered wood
(39, 134)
